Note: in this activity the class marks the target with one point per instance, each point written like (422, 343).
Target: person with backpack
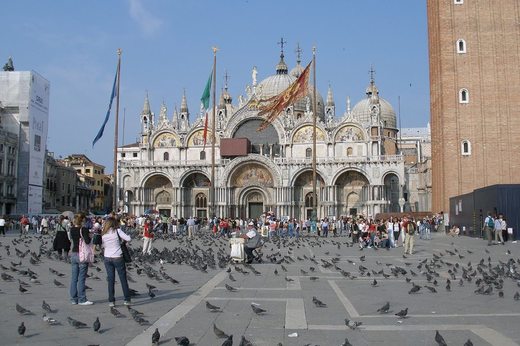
(409, 228)
(489, 225)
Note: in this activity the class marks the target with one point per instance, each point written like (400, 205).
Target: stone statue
(240, 100)
(307, 104)
(253, 75)
(9, 65)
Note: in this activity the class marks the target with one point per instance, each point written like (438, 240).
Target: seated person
(253, 241)
(454, 231)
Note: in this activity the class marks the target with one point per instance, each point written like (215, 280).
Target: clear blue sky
(167, 48)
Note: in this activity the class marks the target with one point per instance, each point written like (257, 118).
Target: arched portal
(254, 203)
(194, 195)
(391, 193)
(352, 192)
(157, 194)
(303, 194)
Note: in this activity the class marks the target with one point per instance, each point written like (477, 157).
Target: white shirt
(2, 221)
(111, 243)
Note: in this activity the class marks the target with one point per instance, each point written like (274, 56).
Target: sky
(167, 51)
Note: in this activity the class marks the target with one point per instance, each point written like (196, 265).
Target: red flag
(205, 135)
(276, 104)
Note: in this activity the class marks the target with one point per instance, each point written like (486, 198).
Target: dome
(361, 112)
(297, 71)
(275, 84)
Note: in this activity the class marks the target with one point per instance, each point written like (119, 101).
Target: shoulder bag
(124, 249)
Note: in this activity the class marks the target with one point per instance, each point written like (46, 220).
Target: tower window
(308, 153)
(166, 156)
(458, 2)
(463, 96)
(202, 155)
(350, 151)
(461, 46)
(466, 147)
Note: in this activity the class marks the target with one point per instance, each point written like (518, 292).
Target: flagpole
(315, 111)
(212, 190)
(116, 132)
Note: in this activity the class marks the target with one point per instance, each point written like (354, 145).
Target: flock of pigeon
(24, 258)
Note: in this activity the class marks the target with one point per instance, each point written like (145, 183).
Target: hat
(251, 223)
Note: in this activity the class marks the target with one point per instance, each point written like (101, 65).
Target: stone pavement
(179, 310)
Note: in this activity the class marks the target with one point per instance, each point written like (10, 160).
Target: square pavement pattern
(459, 287)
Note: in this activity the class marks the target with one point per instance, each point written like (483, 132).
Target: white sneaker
(112, 304)
(88, 302)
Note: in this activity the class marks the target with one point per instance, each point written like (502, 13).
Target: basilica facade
(359, 170)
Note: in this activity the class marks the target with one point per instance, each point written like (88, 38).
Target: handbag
(86, 251)
(124, 249)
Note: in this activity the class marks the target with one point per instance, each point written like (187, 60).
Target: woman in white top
(114, 259)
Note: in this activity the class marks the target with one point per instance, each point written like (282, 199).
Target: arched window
(350, 151)
(461, 46)
(166, 156)
(202, 155)
(458, 2)
(201, 201)
(309, 200)
(463, 96)
(465, 147)
(308, 153)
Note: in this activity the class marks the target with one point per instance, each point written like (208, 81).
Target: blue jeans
(112, 264)
(77, 280)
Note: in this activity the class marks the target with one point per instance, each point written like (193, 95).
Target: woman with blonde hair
(111, 236)
(79, 269)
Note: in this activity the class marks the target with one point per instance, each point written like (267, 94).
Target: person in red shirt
(24, 222)
(147, 237)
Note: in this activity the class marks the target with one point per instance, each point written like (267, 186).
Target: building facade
(358, 168)
(24, 96)
(8, 168)
(475, 95)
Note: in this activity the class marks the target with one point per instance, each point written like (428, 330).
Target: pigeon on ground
(346, 343)
(151, 294)
(49, 320)
(384, 309)
(21, 329)
(182, 341)
(439, 339)
(318, 303)
(468, 343)
(58, 284)
(432, 289)
(414, 289)
(21, 289)
(231, 277)
(257, 309)
(75, 323)
(22, 310)
(288, 279)
(156, 336)
(219, 333)
(352, 324)
(245, 342)
(96, 325)
(230, 288)
(516, 296)
(229, 341)
(374, 283)
(150, 287)
(402, 313)
(115, 312)
(47, 307)
(213, 308)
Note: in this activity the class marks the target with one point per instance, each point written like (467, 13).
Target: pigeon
(439, 339)
(288, 279)
(231, 277)
(21, 289)
(150, 287)
(21, 329)
(245, 342)
(432, 289)
(275, 271)
(414, 289)
(229, 341)
(133, 311)
(219, 333)
(6, 277)
(516, 296)
(58, 284)
(213, 308)
(346, 343)
(182, 341)
(352, 324)
(75, 323)
(501, 294)
(151, 294)
(374, 283)
(257, 309)
(115, 312)
(402, 313)
(384, 309)
(47, 307)
(156, 336)
(318, 303)
(230, 288)
(22, 310)
(49, 320)
(468, 343)
(96, 325)
(314, 278)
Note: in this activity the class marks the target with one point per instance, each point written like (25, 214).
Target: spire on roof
(146, 106)
(330, 97)
(184, 103)
(281, 68)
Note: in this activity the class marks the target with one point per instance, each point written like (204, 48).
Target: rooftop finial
(8, 67)
(281, 43)
(298, 52)
(372, 73)
(226, 79)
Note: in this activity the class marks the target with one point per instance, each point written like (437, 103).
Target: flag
(114, 94)
(276, 104)
(205, 103)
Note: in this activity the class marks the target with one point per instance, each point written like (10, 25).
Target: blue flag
(114, 94)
